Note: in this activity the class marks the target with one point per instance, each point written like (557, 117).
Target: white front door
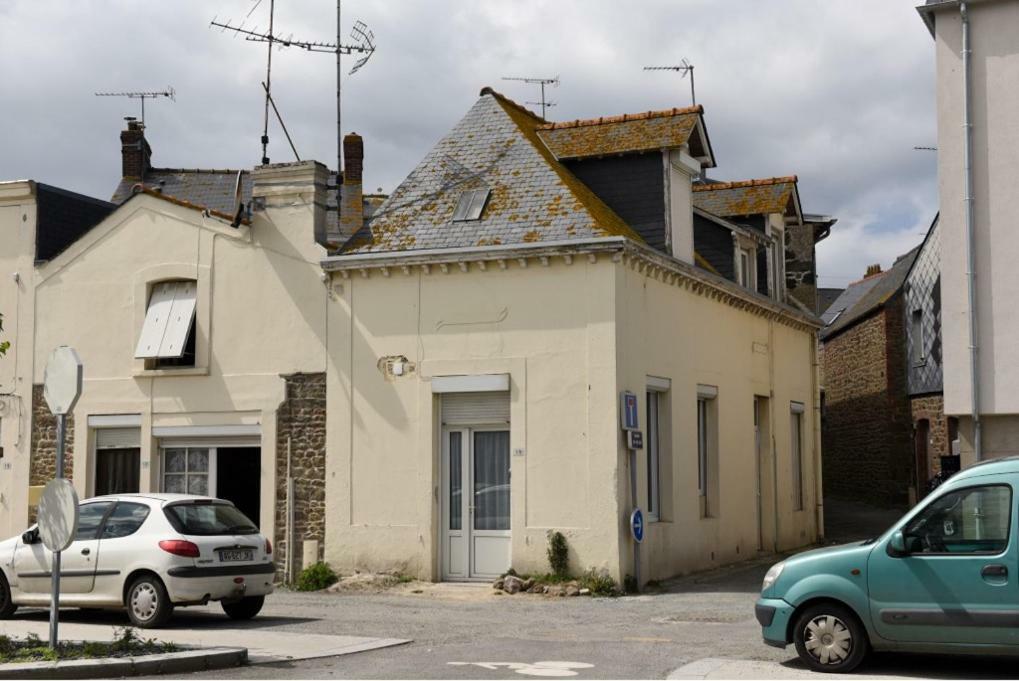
(475, 503)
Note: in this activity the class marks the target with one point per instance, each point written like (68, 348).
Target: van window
(971, 520)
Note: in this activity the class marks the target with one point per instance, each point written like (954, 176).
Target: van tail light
(179, 547)
(268, 546)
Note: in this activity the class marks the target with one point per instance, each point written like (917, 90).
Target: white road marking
(548, 668)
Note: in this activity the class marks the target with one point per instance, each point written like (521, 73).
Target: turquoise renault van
(944, 579)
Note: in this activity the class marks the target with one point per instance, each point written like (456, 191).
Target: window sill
(183, 371)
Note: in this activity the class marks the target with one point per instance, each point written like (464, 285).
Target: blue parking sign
(628, 411)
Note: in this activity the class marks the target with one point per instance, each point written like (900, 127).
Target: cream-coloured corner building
(202, 334)
(484, 327)
(452, 380)
(989, 86)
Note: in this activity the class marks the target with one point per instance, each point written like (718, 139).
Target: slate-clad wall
(800, 267)
(714, 243)
(634, 187)
(301, 419)
(63, 217)
(867, 428)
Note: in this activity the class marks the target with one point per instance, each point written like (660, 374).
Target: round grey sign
(58, 514)
(62, 380)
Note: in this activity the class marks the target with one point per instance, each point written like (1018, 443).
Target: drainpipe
(970, 236)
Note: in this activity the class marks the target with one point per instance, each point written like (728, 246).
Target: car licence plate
(236, 555)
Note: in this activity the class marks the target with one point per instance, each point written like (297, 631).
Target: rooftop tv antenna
(544, 104)
(363, 44)
(169, 93)
(684, 67)
(925, 148)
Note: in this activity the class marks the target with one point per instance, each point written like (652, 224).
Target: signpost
(629, 421)
(58, 508)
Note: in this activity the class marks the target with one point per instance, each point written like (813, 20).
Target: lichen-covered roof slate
(495, 146)
(629, 133)
(750, 197)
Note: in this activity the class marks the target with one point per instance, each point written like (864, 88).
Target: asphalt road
(464, 632)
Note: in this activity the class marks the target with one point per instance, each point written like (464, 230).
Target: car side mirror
(30, 536)
(897, 545)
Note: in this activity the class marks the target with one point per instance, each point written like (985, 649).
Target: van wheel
(245, 608)
(7, 606)
(830, 638)
(148, 604)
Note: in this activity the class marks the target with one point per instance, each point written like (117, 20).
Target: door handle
(86, 551)
(994, 571)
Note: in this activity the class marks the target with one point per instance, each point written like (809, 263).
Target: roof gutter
(974, 357)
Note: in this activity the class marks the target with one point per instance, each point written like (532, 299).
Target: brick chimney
(351, 194)
(135, 150)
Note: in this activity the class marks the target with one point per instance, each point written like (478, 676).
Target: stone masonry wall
(43, 459)
(43, 467)
(932, 408)
(867, 427)
(301, 420)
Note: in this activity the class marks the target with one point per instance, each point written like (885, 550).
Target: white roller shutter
(476, 408)
(118, 438)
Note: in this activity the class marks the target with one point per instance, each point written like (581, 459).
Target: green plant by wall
(316, 577)
(558, 554)
(599, 583)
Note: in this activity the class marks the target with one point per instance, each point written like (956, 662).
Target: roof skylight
(471, 204)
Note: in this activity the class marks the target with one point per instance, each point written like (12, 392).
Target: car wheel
(830, 638)
(148, 604)
(245, 608)
(7, 606)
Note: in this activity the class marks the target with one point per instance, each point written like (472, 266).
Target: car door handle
(994, 571)
(86, 551)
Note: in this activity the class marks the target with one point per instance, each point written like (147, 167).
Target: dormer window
(168, 334)
(470, 205)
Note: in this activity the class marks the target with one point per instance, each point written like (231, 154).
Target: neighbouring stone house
(935, 436)
(522, 282)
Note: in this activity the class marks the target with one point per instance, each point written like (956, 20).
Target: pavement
(697, 627)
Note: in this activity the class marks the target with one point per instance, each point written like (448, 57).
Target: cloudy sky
(835, 91)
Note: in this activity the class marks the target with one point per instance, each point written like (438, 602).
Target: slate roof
(826, 297)
(862, 298)
(495, 146)
(748, 197)
(214, 189)
(63, 217)
(629, 133)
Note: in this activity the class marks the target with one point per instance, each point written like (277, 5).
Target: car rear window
(208, 519)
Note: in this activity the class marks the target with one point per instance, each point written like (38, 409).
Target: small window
(744, 268)
(707, 450)
(125, 520)
(653, 448)
(471, 204)
(916, 337)
(971, 520)
(796, 446)
(186, 470)
(168, 333)
(90, 517)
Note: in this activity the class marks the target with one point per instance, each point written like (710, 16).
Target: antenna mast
(364, 44)
(686, 68)
(169, 93)
(545, 105)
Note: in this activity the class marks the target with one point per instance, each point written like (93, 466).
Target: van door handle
(86, 551)
(994, 571)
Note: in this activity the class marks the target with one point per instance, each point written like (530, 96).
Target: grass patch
(126, 644)
(599, 583)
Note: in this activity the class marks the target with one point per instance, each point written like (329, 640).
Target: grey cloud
(836, 91)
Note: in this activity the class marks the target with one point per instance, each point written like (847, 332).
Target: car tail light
(179, 547)
(268, 546)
